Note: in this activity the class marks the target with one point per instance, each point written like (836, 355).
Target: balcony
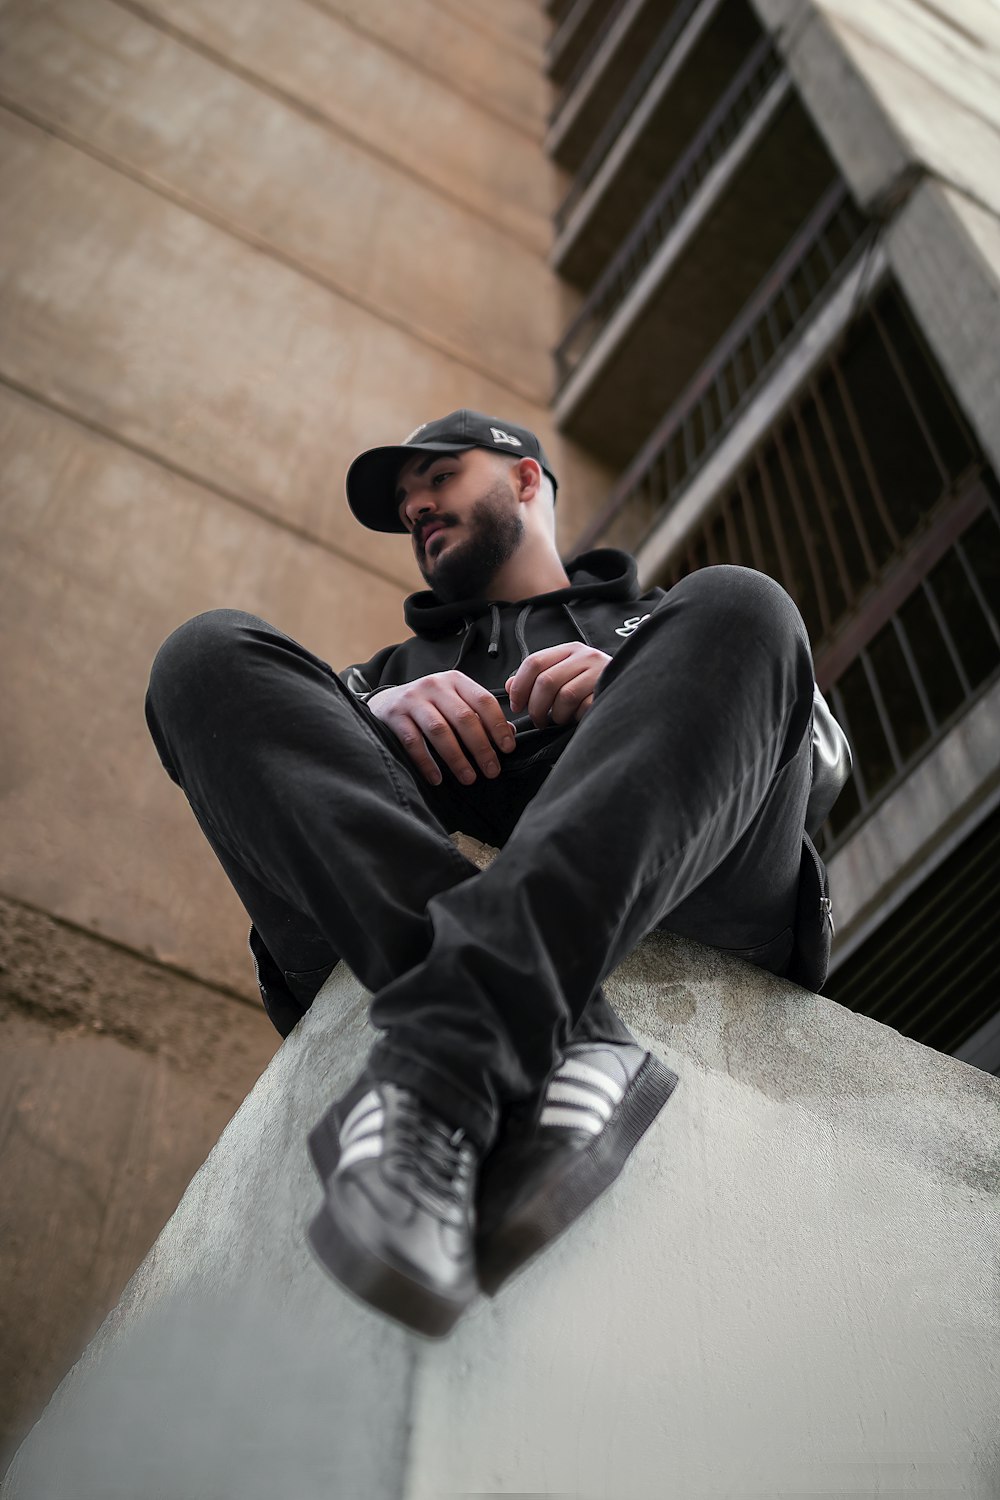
(869, 499)
(708, 238)
(633, 121)
(649, 508)
(605, 73)
(576, 39)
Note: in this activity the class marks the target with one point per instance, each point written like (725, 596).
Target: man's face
(463, 515)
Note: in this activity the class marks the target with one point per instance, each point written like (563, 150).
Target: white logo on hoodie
(631, 626)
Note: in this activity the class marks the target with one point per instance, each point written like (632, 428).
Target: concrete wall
(241, 244)
(790, 1291)
(907, 96)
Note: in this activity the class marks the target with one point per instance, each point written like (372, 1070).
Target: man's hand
(447, 711)
(559, 681)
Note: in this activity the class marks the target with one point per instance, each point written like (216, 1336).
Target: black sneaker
(554, 1157)
(397, 1226)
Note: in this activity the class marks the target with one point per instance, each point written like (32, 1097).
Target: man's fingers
(519, 686)
(449, 714)
(559, 690)
(433, 722)
(413, 742)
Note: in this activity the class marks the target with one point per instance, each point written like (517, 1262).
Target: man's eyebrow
(421, 468)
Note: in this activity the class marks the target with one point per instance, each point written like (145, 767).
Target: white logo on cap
(413, 434)
(504, 437)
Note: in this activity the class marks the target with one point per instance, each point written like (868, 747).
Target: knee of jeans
(743, 602)
(193, 654)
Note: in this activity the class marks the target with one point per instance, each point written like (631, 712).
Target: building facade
(780, 228)
(242, 243)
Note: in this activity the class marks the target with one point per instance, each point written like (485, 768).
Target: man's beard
(466, 569)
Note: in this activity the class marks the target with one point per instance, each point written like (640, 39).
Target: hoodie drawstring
(519, 635)
(581, 634)
(493, 649)
(466, 638)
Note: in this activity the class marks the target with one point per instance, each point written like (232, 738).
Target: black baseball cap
(371, 479)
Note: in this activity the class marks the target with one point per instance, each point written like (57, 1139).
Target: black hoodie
(488, 641)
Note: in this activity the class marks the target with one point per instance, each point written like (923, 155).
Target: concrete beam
(908, 835)
(800, 1255)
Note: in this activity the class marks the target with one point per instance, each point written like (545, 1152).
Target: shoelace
(432, 1151)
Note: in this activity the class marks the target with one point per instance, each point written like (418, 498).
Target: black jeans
(678, 801)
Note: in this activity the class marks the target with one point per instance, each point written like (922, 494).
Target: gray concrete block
(792, 1289)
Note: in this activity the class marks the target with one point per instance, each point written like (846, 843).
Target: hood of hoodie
(604, 573)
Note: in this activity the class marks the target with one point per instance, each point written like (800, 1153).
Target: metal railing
(918, 673)
(586, 57)
(813, 263)
(717, 133)
(619, 115)
(870, 501)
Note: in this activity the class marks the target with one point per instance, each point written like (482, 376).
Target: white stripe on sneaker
(560, 1092)
(584, 1073)
(358, 1119)
(368, 1145)
(574, 1119)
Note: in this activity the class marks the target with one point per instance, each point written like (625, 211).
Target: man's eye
(441, 474)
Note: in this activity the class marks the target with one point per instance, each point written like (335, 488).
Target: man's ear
(528, 479)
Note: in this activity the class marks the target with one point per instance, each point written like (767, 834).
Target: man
(638, 758)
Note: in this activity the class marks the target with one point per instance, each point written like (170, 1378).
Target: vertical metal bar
(751, 520)
(845, 481)
(790, 300)
(883, 717)
(812, 285)
(671, 465)
(823, 246)
(909, 393)
(863, 453)
(732, 538)
(821, 500)
(844, 721)
(689, 453)
(914, 671)
(801, 520)
(756, 349)
(733, 364)
(976, 588)
(942, 625)
(776, 528)
(720, 385)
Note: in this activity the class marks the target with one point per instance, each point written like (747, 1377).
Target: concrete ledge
(791, 1290)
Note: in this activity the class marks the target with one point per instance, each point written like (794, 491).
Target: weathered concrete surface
(150, 106)
(945, 249)
(791, 1290)
(104, 554)
(897, 84)
(116, 1078)
(370, 92)
(900, 839)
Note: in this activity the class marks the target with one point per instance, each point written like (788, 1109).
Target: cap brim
(371, 482)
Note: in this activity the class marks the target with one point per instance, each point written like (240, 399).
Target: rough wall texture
(241, 245)
(116, 1076)
(791, 1290)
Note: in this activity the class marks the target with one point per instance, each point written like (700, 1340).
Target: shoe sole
(555, 1206)
(359, 1271)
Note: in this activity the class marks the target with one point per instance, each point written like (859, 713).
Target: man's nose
(418, 506)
